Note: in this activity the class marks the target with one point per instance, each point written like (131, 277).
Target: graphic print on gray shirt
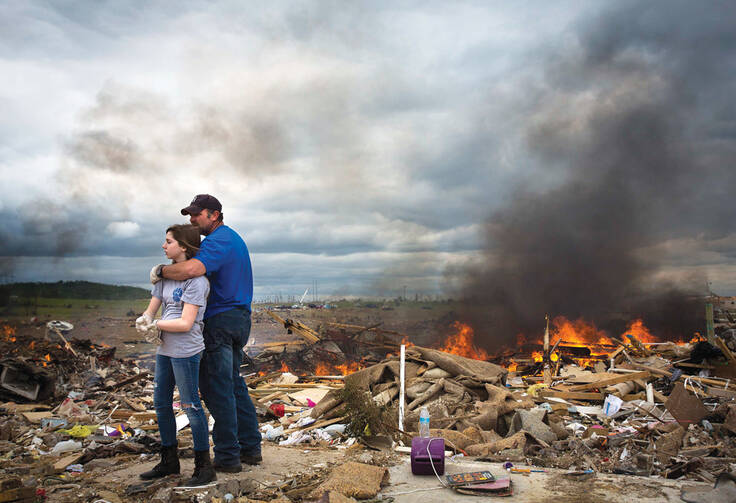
(173, 294)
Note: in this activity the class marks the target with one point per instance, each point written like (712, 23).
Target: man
(224, 258)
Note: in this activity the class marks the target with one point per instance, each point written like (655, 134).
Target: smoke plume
(629, 159)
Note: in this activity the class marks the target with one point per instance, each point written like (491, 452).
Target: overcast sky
(365, 145)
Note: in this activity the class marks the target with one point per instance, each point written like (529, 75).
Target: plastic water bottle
(424, 423)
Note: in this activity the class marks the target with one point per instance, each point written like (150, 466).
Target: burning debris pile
(575, 399)
(629, 405)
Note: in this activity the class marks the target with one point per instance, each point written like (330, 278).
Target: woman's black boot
(169, 464)
(204, 472)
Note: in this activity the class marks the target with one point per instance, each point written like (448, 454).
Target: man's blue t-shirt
(226, 259)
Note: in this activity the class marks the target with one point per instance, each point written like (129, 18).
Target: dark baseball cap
(202, 202)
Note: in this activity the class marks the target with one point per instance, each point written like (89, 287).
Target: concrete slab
(548, 487)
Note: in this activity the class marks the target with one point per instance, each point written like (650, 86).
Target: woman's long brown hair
(187, 236)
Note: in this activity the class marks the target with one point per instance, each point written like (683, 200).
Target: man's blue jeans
(224, 390)
(184, 372)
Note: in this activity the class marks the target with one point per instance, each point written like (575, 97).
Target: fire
(9, 333)
(284, 367)
(538, 356)
(513, 366)
(326, 369)
(32, 345)
(322, 369)
(461, 343)
(348, 368)
(47, 357)
(577, 333)
(638, 330)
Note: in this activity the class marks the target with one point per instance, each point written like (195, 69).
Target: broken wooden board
(315, 395)
(61, 464)
(17, 408)
(571, 395)
(35, 417)
(724, 349)
(294, 326)
(602, 383)
(135, 405)
(127, 413)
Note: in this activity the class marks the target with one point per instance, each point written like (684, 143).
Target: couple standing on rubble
(196, 358)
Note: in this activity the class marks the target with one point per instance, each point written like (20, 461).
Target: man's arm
(184, 270)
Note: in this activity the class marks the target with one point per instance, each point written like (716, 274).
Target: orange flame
(32, 345)
(638, 330)
(322, 369)
(578, 333)
(461, 343)
(326, 369)
(284, 367)
(348, 368)
(538, 356)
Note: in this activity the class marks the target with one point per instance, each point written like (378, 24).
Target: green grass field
(65, 309)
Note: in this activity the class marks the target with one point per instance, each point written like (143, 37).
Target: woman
(179, 334)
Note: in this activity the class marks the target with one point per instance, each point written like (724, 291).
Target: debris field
(73, 414)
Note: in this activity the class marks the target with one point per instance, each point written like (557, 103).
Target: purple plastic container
(420, 460)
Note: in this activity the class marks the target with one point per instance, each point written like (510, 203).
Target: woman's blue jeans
(184, 372)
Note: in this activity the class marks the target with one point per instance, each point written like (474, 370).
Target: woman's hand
(151, 332)
(142, 321)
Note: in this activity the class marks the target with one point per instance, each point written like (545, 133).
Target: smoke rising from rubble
(624, 122)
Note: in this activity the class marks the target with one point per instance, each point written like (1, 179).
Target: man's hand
(142, 321)
(155, 273)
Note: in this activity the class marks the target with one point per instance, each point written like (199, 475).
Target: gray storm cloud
(623, 131)
(370, 141)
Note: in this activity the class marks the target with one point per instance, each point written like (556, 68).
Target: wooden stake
(66, 342)
(402, 378)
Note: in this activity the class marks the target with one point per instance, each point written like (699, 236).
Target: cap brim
(191, 210)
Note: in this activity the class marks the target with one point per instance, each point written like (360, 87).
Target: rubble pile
(643, 416)
(69, 407)
(71, 412)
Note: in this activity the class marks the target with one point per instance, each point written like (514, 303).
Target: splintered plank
(61, 464)
(644, 374)
(290, 325)
(724, 349)
(133, 379)
(571, 395)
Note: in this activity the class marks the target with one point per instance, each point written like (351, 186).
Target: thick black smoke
(627, 128)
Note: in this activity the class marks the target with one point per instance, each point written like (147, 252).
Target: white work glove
(142, 321)
(155, 278)
(152, 333)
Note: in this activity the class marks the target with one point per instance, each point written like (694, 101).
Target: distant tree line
(71, 290)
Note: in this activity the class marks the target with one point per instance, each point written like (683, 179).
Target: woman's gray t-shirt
(173, 294)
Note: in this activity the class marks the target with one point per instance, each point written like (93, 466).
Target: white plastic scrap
(612, 405)
(271, 433)
(575, 427)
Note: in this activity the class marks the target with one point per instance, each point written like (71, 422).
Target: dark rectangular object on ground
(426, 453)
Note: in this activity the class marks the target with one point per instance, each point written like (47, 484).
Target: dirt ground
(284, 466)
